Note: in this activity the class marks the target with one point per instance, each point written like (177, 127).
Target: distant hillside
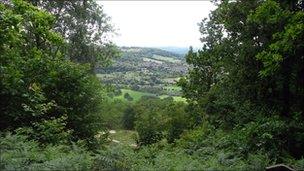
(145, 69)
(177, 50)
(147, 59)
(148, 52)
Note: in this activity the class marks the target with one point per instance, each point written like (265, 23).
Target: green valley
(78, 95)
(145, 72)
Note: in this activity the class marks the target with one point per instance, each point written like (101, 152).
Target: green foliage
(244, 91)
(267, 138)
(114, 158)
(179, 120)
(51, 131)
(150, 120)
(85, 27)
(128, 97)
(17, 153)
(113, 113)
(128, 119)
(160, 118)
(266, 135)
(164, 157)
(249, 81)
(149, 127)
(203, 148)
(216, 148)
(38, 86)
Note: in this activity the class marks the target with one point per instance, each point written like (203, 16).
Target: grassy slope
(175, 98)
(166, 59)
(136, 95)
(125, 137)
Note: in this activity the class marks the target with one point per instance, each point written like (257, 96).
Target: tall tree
(39, 88)
(253, 52)
(86, 29)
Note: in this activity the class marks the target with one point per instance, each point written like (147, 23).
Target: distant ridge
(178, 50)
(149, 52)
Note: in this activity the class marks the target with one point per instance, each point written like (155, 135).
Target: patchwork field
(136, 95)
(167, 59)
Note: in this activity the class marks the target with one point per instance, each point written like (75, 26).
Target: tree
(250, 66)
(283, 57)
(128, 118)
(40, 89)
(128, 97)
(258, 59)
(86, 29)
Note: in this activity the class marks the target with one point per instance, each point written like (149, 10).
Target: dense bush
(248, 83)
(38, 85)
(113, 113)
(51, 131)
(179, 120)
(128, 97)
(149, 127)
(128, 119)
(18, 153)
(263, 140)
(161, 156)
(159, 118)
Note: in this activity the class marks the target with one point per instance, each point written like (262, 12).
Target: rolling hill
(148, 70)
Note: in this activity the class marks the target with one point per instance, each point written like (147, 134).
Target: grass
(175, 98)
(166, 59)
(124, 137)
(136, 95)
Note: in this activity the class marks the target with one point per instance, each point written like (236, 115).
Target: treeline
(250, 72)
(154, 119)
(139, 52)
(245, 91)
(50, 96)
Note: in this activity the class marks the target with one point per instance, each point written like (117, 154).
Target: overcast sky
(157, 23)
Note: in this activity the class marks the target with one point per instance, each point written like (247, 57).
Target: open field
(175, 98)
(136, 95)
(167, 59)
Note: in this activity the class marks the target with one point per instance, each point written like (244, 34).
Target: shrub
(113, 113)
(179, 120)
(265, 134)
(51, 131)
(37, 83)
(150, 120)
(128, 97)
(17, 153)
(113, 158)
(128, 118)
(149, 128)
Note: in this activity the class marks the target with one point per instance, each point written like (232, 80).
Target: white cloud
(157, 23)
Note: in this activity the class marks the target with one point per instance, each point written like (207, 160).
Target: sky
(157, 23)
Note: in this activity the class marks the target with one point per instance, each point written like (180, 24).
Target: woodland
(237, 103)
